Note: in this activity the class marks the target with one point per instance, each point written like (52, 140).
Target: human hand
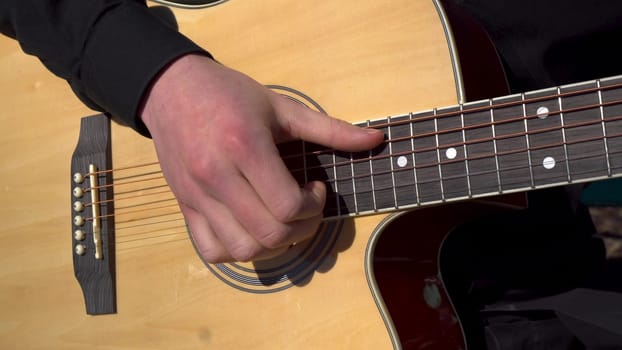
(215, 131)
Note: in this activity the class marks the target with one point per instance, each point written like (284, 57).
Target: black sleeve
(108, 50)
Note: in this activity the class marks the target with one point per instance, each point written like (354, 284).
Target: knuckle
(236, 143)
(214, 256)
(273, 237)
(286, 210)
(201, 168)
(245, 253)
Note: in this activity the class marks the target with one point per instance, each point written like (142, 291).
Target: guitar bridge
(93, 236)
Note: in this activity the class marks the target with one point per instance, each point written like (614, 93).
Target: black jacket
(108, 50)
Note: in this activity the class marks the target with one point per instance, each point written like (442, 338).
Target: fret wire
(531, 100)
(514, 103)
(435, 164)
(578, 124)
(304, 162)
(533, 183)
(494, 144)
(371, 174)
(510, 120)
(356, 204)
(494, 139)
(515, 167)
(466, 156)
(561, 120)
(602, 122)
(438, 156)
(412, 146)
(522, 188)
(519, 118)
(336, 184)
(391, 161)
(520, 166)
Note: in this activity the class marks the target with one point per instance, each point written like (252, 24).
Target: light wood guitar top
(358, 59)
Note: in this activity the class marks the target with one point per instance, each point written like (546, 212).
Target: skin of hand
(215, 131)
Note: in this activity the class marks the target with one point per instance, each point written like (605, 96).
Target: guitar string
(134, 197)
(431, 164)
(330, 203)
(480, 173)
(421, 150)
(461, 159)
(140, 222)
(155, 172)
(145, 243)
(138, 229)
(141, 226)
(484, 126)
(134, 212)
(464, 111)
(330, 165)
(152, 235)
(183, 226)
(487, 107)
(480, 156)
(137, 224)
(99, 187)
(554, 96)
(124, 240)
(470, 142)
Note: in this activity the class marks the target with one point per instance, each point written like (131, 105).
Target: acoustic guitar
(98, 256)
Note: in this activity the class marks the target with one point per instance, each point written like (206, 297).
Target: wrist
(167, 87)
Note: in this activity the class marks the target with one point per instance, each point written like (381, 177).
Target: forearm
(108, 51)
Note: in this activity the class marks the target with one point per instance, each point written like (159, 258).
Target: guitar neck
(543, 138)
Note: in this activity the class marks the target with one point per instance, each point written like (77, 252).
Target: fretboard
(543, 138)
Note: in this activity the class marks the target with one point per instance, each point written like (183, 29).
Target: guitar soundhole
(293, 268)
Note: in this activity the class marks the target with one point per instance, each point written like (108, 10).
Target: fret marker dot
(451, 153)
(402, 161)
(542, 112)
(548, 163)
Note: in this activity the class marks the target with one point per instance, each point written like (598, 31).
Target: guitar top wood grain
(359, 60)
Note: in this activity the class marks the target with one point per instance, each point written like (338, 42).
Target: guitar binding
(190, 4)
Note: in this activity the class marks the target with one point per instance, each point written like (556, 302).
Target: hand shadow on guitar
(309, 161)
(297, 266)
(319, 254)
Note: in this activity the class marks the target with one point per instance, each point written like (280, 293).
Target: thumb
(312, 126)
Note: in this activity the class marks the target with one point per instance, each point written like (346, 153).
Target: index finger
(309, 125)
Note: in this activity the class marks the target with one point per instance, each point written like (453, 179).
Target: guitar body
(357, 60)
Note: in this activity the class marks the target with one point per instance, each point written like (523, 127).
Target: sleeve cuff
(126, 50)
